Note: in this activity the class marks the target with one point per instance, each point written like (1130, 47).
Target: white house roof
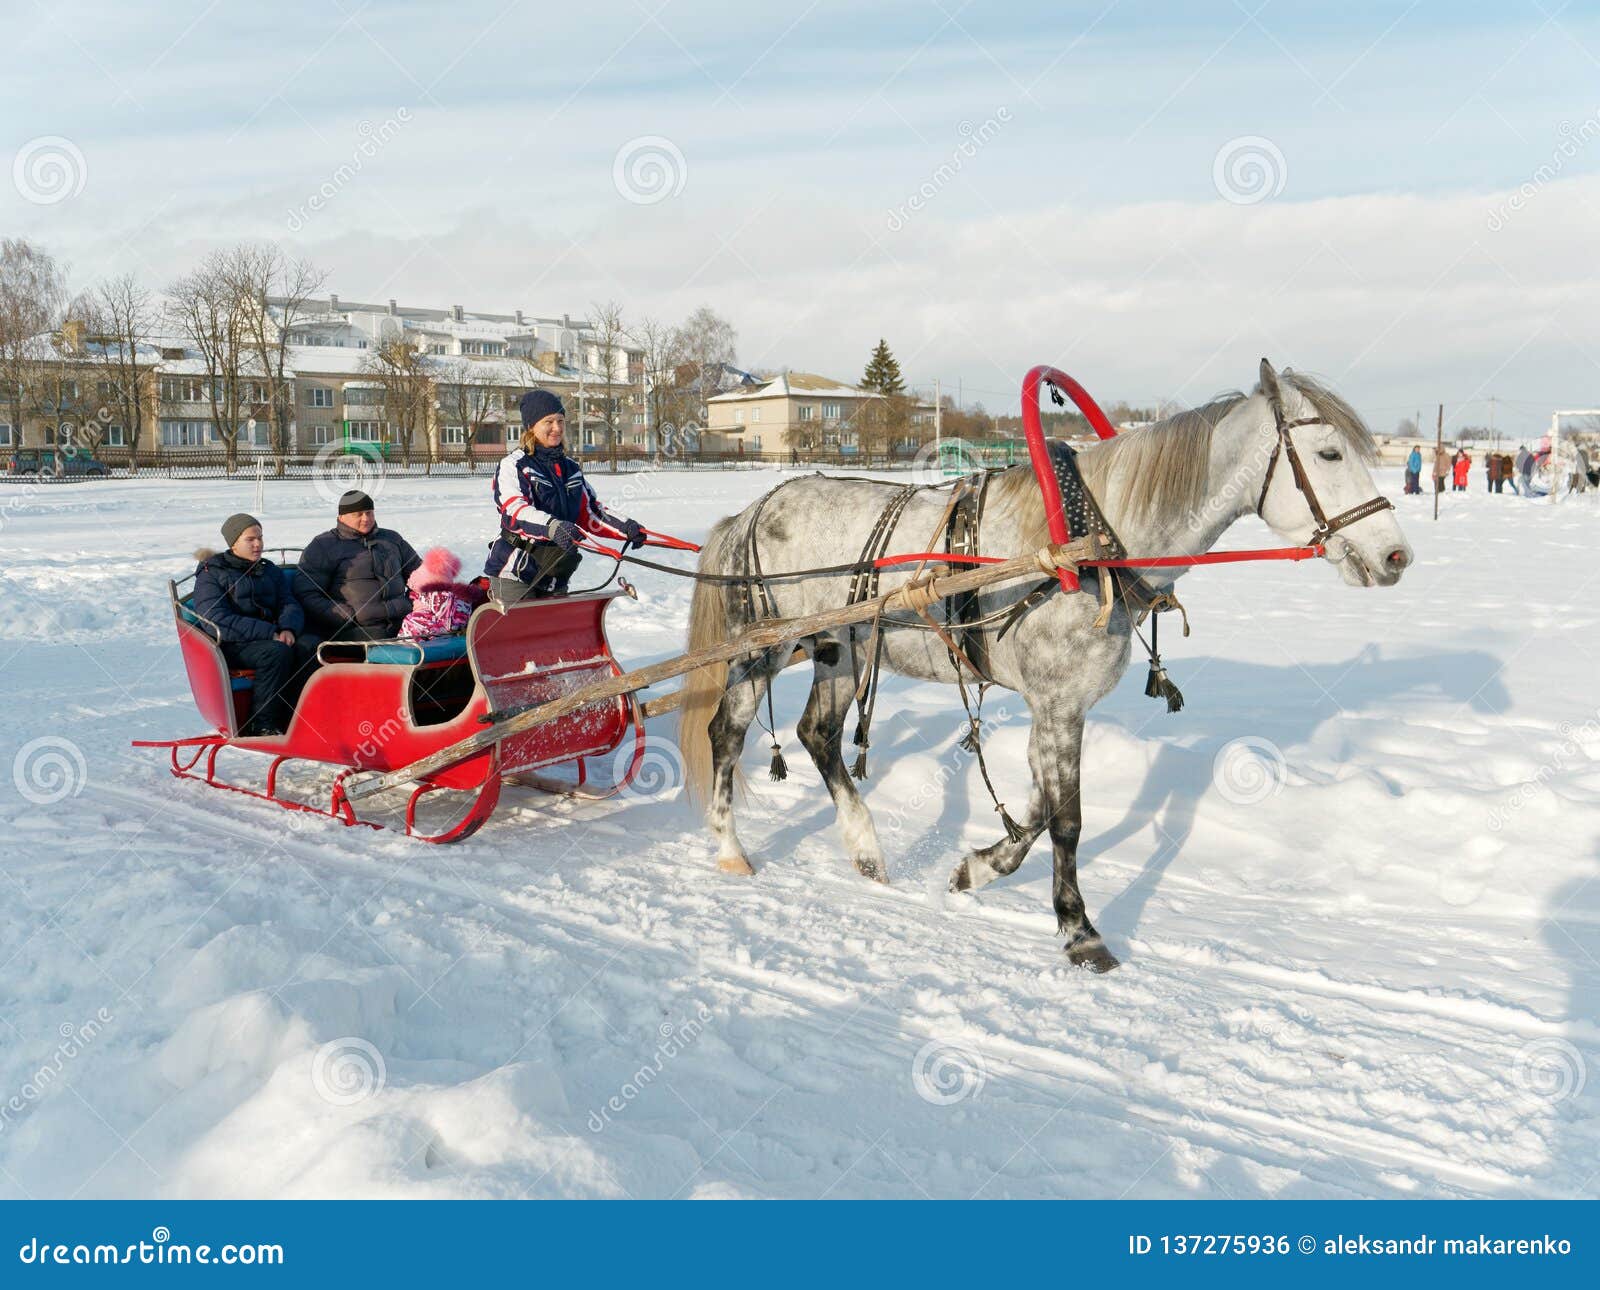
(796, 385)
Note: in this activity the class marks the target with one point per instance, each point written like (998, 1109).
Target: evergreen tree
(883, 372)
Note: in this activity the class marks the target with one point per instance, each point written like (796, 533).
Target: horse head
(1318, 484)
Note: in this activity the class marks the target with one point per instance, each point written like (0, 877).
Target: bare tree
(403, 370)
(707, 341)
(606, 344)
(120, 318)
(32, 293)
(207, 310)
(665, 396)
(274, 294)
(467, 394)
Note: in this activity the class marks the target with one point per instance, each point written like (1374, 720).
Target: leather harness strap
(1285, 446)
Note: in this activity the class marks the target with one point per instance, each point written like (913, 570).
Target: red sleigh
(379, 706)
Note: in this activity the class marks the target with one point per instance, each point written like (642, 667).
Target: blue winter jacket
(533, 489)
(248, 601)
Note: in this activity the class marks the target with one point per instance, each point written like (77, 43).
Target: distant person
(1441, 468)
(1494, 467)
(246, 605)
(1414, 471)
(1461, 467)
(1524, 470)
(352, 579)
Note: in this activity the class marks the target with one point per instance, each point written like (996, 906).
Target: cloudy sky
(1402, 197)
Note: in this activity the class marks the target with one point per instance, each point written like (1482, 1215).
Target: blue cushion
(243, 682)
(439, 649)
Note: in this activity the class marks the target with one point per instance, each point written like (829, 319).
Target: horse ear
(1269, 384)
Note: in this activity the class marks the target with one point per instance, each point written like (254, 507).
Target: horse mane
(1164, 468)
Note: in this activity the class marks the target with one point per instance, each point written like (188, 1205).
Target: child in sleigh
(440, 606)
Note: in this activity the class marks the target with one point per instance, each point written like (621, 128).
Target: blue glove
(564, 534)
(634, 531)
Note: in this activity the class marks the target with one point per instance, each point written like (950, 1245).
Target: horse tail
(703, 687)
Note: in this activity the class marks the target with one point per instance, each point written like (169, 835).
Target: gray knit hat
(234, 525)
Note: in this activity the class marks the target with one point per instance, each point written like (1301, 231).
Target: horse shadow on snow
(1226, 699)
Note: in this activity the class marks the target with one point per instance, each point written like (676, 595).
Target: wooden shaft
(762, 636)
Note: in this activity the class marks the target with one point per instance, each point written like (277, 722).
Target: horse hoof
(735, 865)
(1094, 956)
(872, 869)
(960, 878)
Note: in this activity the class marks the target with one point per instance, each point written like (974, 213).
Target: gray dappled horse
(1173, 488)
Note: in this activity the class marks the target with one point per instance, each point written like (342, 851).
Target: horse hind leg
(747, 686)
(821, 730)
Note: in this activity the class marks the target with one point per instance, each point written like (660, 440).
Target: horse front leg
(1057, 758)
(980, 868)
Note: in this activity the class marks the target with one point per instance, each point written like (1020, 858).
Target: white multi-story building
(475, 366)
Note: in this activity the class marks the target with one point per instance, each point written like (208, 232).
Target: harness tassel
(780, 768)
(859, 770)
(1012, 828)
(1158, 685)
(969, 741)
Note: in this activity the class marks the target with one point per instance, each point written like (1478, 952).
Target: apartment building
(472, 369)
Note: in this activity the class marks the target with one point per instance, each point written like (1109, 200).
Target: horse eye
(1331, 454)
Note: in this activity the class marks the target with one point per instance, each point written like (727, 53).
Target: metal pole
(1438, 447)
(938, 419)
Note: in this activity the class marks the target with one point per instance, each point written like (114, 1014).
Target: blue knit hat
(536, 405)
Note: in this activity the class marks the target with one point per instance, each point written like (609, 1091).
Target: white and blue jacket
(532, 490)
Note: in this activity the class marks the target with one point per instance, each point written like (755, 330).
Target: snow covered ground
(1361, 947)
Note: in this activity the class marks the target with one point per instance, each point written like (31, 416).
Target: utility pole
(938, 418)
(1438, 447)
(1494, 439)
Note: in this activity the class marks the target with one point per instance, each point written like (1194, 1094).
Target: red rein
(1050, 491)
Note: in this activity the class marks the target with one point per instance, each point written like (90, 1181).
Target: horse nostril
(1398, 558)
